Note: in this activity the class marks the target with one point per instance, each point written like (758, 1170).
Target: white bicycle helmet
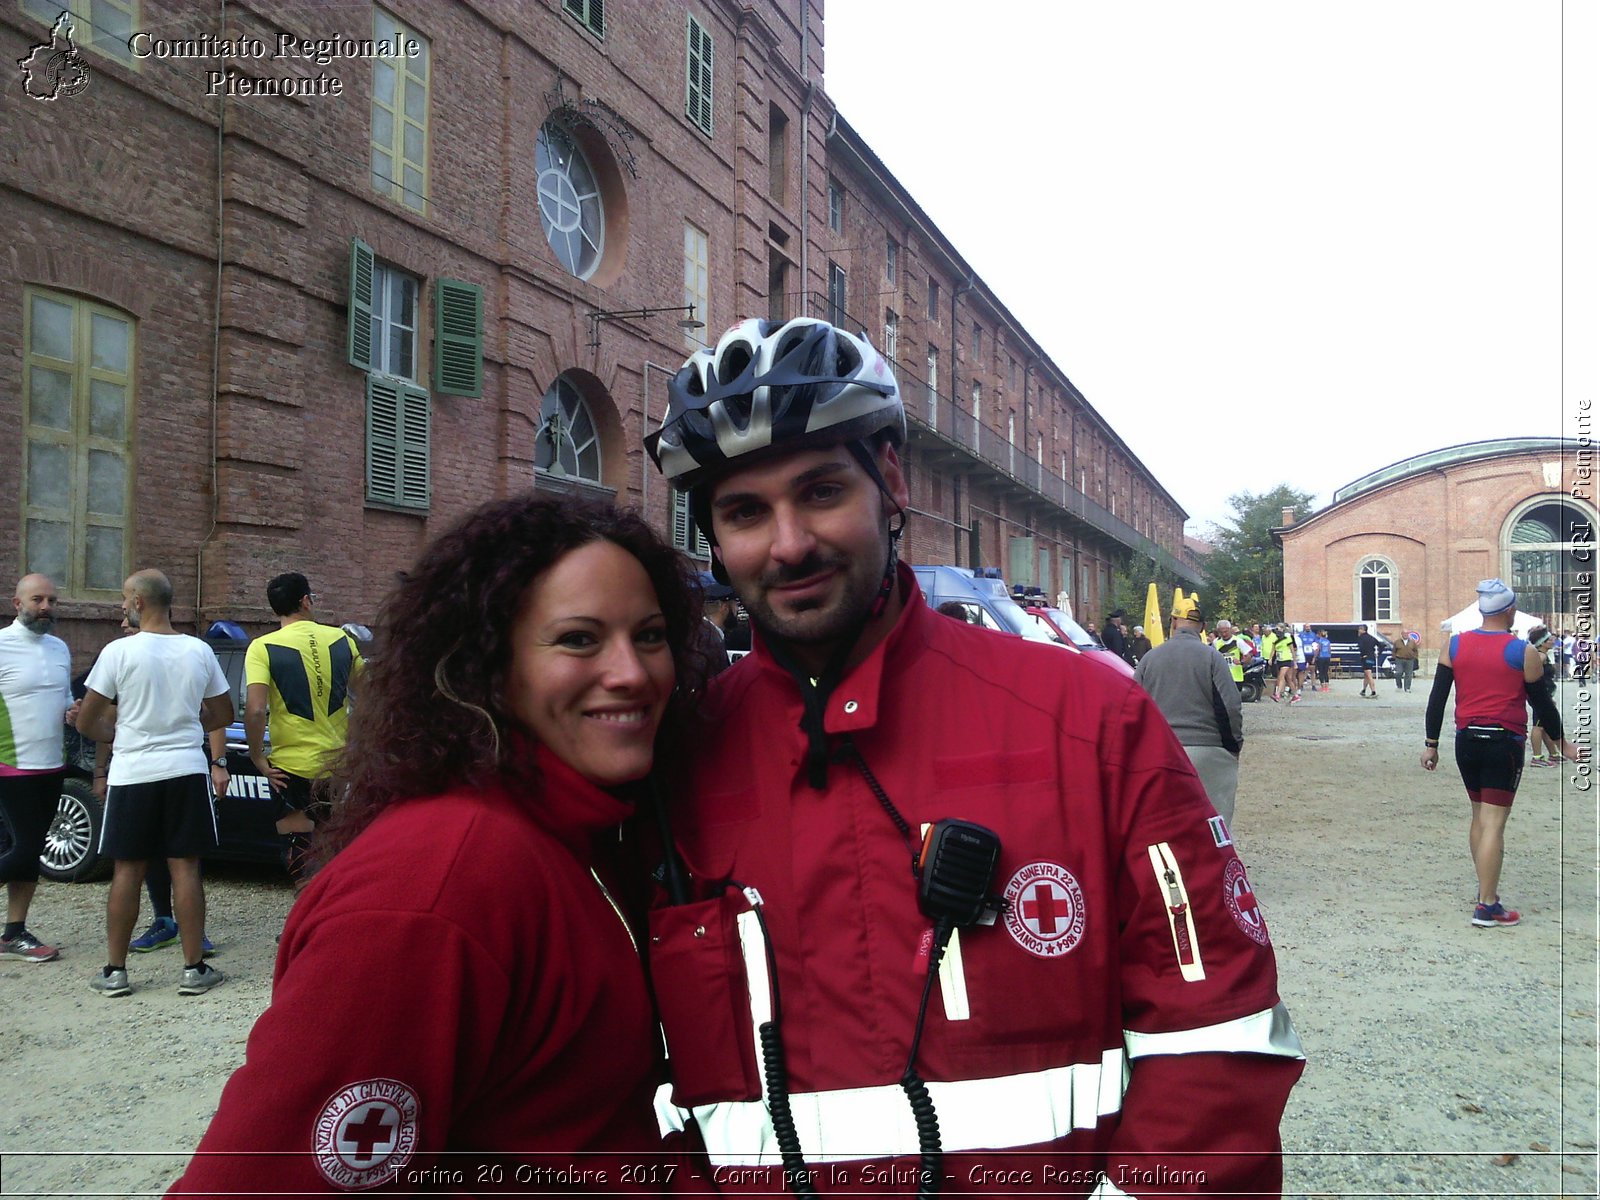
(767, 386)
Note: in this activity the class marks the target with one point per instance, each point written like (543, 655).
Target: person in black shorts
(166, 688)
(1496, 675)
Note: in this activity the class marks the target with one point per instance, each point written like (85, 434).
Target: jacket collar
(567, 805)
(854, 703)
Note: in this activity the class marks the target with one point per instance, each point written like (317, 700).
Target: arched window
(1550, 542)
(1376, 594)
(570, 206)
(567, 443)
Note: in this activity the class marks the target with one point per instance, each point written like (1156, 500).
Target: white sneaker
(197, 980)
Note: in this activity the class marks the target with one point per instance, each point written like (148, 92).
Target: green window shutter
(416, 487)
(383, 440)
(359, 336)
(698, 103)
(458, 338)
(686, 536)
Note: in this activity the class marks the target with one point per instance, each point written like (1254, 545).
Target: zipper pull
(1175, 897)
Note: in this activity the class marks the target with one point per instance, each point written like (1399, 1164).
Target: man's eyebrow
(820, 471)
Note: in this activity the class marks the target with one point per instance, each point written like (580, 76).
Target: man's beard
(40, 623)
(132, 614)
(811, 624)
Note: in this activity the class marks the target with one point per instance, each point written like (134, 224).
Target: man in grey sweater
(1194, 689)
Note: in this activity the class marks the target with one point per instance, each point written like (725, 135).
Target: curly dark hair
(445, 646)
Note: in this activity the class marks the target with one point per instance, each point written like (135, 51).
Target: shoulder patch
(365, 1133)
(1241, 902)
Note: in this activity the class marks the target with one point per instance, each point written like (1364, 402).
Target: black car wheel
(71, 845)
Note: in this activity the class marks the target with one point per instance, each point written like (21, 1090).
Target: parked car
(246, 820)
(1076, 636)
(989, 603)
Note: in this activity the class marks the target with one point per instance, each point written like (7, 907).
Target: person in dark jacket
(1115, 637)
(1139, 646)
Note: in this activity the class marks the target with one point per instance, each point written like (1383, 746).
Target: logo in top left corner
(55, 68)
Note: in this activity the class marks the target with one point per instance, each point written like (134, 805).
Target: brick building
(293, 286)
(1404, 547)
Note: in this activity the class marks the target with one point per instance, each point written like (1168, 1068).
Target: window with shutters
(697, 281)
(382, 339)
(104, 26)
(400, 114)
(591, 14)
(698, 83)
(686, 536)
(567, 442)
(77, 443)
(389, 344)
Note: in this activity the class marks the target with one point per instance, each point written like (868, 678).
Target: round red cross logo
(365, 1133)
(1044, 909)
(1241, 900)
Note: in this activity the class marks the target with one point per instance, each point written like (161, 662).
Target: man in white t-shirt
(35, 667)
(168, 690)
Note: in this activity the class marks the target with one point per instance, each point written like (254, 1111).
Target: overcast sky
(1270, 242)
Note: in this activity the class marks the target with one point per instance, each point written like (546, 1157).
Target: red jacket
(455, 980)
(1133, 942)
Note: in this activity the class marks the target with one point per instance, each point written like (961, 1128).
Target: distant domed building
(1403, 548)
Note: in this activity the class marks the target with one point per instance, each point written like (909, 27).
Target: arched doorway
(1549, 544)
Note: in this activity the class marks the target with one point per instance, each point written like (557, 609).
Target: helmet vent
(733, 362)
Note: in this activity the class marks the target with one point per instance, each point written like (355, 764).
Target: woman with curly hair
(459, 997)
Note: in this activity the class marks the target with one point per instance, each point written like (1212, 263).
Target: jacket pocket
(698, 968)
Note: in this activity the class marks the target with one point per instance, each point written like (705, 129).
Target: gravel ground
(1444, 1060)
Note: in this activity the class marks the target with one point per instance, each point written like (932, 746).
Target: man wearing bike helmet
(800, 927)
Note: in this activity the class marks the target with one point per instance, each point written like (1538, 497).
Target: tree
(1130, 589)
(1245, 567)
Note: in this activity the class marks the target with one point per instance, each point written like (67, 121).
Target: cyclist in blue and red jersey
(1496, 676)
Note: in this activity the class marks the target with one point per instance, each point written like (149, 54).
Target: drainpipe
(645, 466)
(805, 151)
(955, 335)
(216, 351)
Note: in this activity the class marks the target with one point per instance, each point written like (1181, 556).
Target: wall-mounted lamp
(635, 314)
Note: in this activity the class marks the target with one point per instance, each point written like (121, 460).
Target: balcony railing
(941, 416)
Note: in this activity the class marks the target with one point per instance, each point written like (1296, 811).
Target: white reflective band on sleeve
(876, 1122)
(1185, 941)
(1109, 1191)
(669, 1117)
(1266, 1032)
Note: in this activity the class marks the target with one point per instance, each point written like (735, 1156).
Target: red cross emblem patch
(365, 1133)
(1044, 909)
(1241, 900)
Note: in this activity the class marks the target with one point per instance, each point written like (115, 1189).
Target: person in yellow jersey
(1234, 647)
(297, 681)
